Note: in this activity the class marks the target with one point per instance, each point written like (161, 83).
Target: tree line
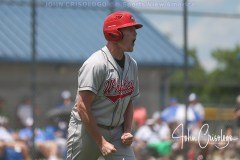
(218, 87)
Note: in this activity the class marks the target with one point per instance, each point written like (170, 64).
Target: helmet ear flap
(113, 35)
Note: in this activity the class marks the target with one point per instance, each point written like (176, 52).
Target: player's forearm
(83, 106)
(91, 125)
(128, 118)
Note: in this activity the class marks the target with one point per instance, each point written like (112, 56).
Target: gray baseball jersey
(114, 86)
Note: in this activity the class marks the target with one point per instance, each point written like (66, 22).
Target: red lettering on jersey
(115, 89)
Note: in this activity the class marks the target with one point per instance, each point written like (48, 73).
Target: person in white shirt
(147, 132)
(143, 136)
(196, 105)
(161, 127)
(25, 112)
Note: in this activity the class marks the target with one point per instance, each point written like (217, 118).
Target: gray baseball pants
(80, 145)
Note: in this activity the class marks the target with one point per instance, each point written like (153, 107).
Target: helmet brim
(136, 25)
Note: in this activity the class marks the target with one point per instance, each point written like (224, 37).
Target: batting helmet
(115, 21)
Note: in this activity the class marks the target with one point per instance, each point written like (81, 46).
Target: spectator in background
(162, 148)
(45, 145)
(66, 100)
(161, 127)
(196, 105)
(147, 132)
(139, 116)
(25, 111)
(230, 152)
(11, 148)
(169, 113)
(202, 138)
(62, 120)
(153, 139)
(144, 135)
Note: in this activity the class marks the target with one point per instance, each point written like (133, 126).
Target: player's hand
(127, 138)
(107, 148)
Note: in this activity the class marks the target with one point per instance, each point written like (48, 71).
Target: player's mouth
(133, 41)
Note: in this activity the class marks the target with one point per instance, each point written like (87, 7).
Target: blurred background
(44, 43)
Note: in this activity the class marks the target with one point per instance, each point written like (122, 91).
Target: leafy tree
(224, 82)
(220, 87)
(197, 78)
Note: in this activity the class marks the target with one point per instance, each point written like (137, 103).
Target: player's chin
(130, 49)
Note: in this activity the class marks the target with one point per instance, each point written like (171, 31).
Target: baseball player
(100, 122)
